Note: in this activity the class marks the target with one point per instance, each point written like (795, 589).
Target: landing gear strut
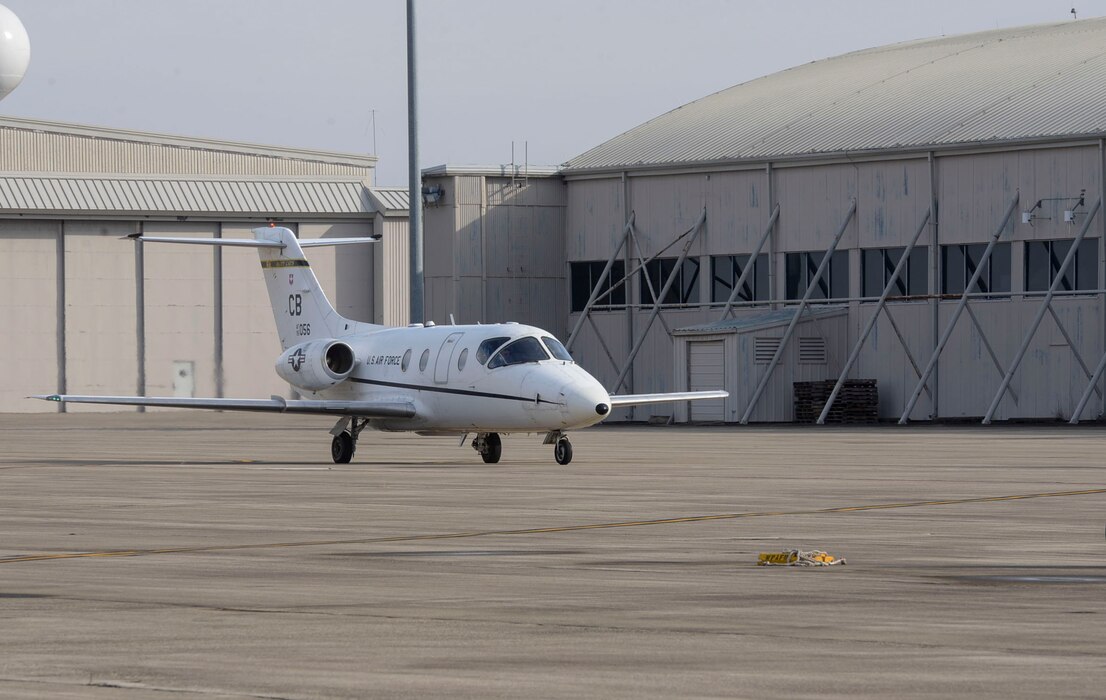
(489, 446)
(345, 432)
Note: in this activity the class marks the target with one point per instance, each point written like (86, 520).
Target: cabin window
(406, 361)
(424, 360)
(556, 349)
(462, 359)
(519, 352)
(488, 347)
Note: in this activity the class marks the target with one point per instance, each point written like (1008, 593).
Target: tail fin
(300, 307)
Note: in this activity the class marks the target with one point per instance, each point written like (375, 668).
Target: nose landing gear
(562, 448)
(489, 446)
(562, 451)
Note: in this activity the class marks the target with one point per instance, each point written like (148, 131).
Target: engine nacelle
(316, 364)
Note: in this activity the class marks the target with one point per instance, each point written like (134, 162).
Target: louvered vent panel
(812, 351)
(764, 349)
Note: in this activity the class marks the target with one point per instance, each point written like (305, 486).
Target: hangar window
(1043, 259)
(801, 268)
(878, 264)
(684, 289)
(585, 275)
(727, 269)
(959, 263)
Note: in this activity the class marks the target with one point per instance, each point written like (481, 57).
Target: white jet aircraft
(436, 380)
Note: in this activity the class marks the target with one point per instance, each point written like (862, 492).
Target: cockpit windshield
(556, 349)
(518, 352)
(488, 347)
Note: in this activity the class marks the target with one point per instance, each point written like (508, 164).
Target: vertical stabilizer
(300, 308)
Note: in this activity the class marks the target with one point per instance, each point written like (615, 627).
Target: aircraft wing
(639, 399)
(363, 409)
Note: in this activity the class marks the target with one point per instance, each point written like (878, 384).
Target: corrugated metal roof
(760, 320)
(391, 200)
(182, 197)
(1027, 83)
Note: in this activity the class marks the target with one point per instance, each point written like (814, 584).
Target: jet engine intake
(316, 364)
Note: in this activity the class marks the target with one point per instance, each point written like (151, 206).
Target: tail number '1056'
(303, 329)
(295, 305)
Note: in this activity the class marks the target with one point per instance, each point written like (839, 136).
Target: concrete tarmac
(177, 555)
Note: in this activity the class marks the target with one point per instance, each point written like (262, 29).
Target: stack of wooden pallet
(857, 402)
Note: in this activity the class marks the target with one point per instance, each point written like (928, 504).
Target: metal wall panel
(884, 360)
(974, 191)
(100, 311)
(666, 206)
(892, 198)
(392, 272)
(179, 296)
(345, 272)
(250, 342)
(28, 273)
(737, 212)
(813, 203)
(595, 219)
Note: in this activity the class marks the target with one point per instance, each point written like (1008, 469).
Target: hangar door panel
(705, 372)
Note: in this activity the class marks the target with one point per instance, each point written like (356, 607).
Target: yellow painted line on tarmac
(549, 530)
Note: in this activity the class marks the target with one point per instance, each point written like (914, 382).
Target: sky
(561, 76)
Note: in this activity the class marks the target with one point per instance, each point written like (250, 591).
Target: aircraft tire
(493, 448)
(562, 451)
(341, 448)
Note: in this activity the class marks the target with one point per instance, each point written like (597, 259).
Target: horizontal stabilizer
(319, 242)
(363, 409)
(639, 399)
(251, 243)
(234, 242)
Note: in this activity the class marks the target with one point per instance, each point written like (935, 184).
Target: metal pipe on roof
(414, 177)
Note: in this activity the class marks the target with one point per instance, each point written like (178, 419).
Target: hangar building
(753, 238)
(86, 313)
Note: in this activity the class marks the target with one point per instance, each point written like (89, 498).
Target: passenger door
(445, 358)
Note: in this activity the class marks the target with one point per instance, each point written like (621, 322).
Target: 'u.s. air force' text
(383, 360)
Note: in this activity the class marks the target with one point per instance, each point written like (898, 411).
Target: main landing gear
(344, 444)
(490, 447)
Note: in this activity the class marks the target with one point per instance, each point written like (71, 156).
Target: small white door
(445, 358)
(705, 372)
(184, 379)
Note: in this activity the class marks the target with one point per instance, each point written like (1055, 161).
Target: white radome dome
(15, 51)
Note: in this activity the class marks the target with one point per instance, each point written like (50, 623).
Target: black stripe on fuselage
(444, 390)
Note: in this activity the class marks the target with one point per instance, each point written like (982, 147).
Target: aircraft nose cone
(585, 403)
